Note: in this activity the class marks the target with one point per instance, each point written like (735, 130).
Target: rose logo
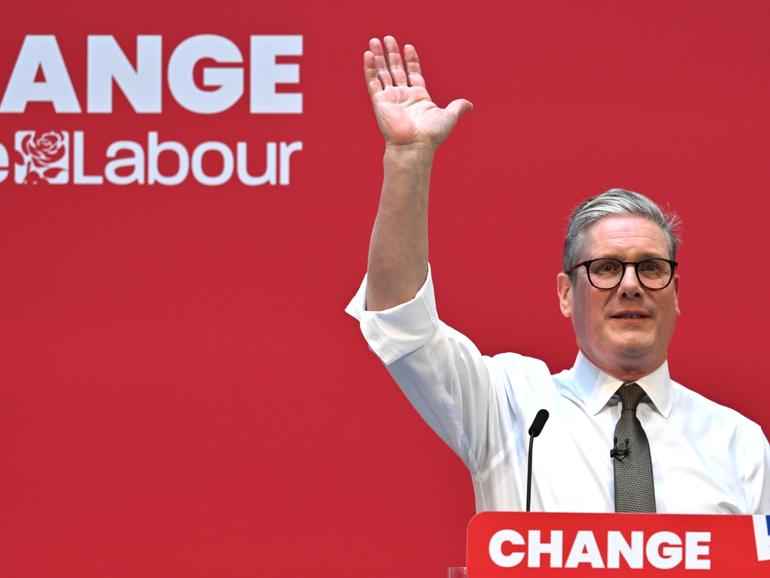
(43, 155)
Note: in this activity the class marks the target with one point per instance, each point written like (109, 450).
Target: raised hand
(405, 113)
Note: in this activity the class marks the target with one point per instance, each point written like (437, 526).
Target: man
(672, 449)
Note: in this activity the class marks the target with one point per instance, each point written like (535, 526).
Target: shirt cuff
(395, 332)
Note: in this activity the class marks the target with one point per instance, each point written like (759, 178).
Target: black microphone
(620, 450)
(534, 431)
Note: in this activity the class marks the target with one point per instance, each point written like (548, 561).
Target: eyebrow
(641, 257)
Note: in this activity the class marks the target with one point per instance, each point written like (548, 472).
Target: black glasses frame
(587, 265)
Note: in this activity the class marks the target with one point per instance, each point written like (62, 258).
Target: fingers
(413, 70)
(380, 67)
(383, 66)
(396, 67)
(373, 84)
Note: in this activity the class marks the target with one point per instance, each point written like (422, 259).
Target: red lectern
(518, 544)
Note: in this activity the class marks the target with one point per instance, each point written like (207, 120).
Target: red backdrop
(180, 391)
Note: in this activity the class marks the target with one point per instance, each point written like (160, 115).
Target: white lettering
(286, 152)
(536, 548)
(3, 163)
(266, 73)
(135, 162)
(227, 163)
(142, 86)
(153, 155)
(40, 74)
(227, 81)
(496, 548)
(761, 537)
(617, 546)
(40, 53)
(664, 550)
(169, 163)
(243, 171)
(79, 177)
(584, 551)
(696, 545)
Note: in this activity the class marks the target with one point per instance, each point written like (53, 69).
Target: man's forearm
(398, 250)
(413, 127)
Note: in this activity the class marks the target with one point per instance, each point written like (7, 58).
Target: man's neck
(633, 371)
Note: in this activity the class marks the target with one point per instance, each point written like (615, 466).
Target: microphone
(534, 431)
(538, 423)
(620, 449)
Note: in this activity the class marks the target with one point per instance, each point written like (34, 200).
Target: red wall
(180, 391)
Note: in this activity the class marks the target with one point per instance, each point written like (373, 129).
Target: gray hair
(615, 202)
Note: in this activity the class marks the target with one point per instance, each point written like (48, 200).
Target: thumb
(459, 106)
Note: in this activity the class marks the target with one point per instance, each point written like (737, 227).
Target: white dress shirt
(706, 458)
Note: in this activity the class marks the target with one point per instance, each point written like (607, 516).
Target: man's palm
(405, 113)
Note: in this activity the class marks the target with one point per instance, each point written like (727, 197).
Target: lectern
(519, 544)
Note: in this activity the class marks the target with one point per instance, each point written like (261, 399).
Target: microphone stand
(534, 431)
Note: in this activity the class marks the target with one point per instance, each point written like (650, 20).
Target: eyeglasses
(607, 273)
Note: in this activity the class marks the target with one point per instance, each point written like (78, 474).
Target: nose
(629, 284)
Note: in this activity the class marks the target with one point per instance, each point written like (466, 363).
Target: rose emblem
(40, 153)
(45, 149)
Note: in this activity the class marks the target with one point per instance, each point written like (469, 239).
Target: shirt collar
(595, 388)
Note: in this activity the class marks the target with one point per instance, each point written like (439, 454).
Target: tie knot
(630, 395)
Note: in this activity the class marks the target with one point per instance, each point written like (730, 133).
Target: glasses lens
(655, 273)
(605, 273)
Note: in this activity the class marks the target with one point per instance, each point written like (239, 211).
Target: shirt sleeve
(440, 371)
(395, 332)
(762, 480)
(753, 453)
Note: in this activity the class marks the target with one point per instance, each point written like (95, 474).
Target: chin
(634, 355)
(631, 354)
(632, 345)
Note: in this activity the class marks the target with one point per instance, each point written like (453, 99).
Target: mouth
(631, 315)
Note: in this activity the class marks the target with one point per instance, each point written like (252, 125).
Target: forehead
(626, 237)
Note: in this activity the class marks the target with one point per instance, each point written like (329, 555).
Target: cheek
(671, 317)
(587, 314)
(666, 321)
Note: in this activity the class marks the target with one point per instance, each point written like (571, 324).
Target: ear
(565, 290)
(676, 295)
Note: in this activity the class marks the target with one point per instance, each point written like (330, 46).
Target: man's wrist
(409, 155)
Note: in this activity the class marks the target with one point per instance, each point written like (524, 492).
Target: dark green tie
(634, 488)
